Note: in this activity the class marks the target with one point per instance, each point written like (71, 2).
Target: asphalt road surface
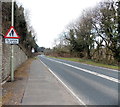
(92, 85)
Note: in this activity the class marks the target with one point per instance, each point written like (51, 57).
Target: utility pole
(12, 48)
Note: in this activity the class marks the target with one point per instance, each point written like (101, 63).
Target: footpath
(44, 89)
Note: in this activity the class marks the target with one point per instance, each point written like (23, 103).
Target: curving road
(93, 85)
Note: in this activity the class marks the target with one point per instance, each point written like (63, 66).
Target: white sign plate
(11, 41)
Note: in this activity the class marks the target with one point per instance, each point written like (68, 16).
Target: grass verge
(88, 62)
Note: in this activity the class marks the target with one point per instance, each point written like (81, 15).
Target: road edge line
(80, 101)
(115, 70)
(89, 71)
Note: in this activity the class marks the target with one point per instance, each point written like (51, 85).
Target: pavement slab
(44, 89)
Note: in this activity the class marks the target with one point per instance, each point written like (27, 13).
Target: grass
(90, 62)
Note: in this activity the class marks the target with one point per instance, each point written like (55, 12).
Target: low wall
(0, 57)
(19, 57)
(0, 40)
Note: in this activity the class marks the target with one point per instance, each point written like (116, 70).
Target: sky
(49, 18)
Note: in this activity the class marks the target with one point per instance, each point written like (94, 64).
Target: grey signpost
(12, 48)
(12, 38)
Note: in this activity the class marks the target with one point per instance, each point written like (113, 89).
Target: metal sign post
(12, 48)
(12, 38)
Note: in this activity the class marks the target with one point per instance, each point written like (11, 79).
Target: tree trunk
(88, 52)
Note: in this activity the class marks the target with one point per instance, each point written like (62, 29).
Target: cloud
(49, 17)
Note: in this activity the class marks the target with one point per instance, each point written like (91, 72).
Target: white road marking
(80, 101)
(88, 71)
(96, 66)
(102, 67)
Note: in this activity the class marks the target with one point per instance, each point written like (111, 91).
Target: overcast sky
(50, 17)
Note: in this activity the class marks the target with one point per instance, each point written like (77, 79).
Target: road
(92, 85)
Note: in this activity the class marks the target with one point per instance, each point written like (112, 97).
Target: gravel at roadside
(12, 92)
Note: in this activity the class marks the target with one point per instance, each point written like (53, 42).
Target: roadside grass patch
(90, 62)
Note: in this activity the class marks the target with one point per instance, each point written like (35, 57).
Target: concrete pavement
(44, 89)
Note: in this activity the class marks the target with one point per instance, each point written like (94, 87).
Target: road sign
(11, 41)
(12, 33)
(11, 37)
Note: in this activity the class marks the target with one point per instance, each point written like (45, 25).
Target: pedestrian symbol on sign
(12, 33)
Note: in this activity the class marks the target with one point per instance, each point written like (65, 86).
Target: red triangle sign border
(12, 27)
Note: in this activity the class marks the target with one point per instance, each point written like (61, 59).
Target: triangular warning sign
(11, 33)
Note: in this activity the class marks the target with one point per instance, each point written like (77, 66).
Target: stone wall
(0, 56)
(0, 39)
(19, 58)
(20, 54)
